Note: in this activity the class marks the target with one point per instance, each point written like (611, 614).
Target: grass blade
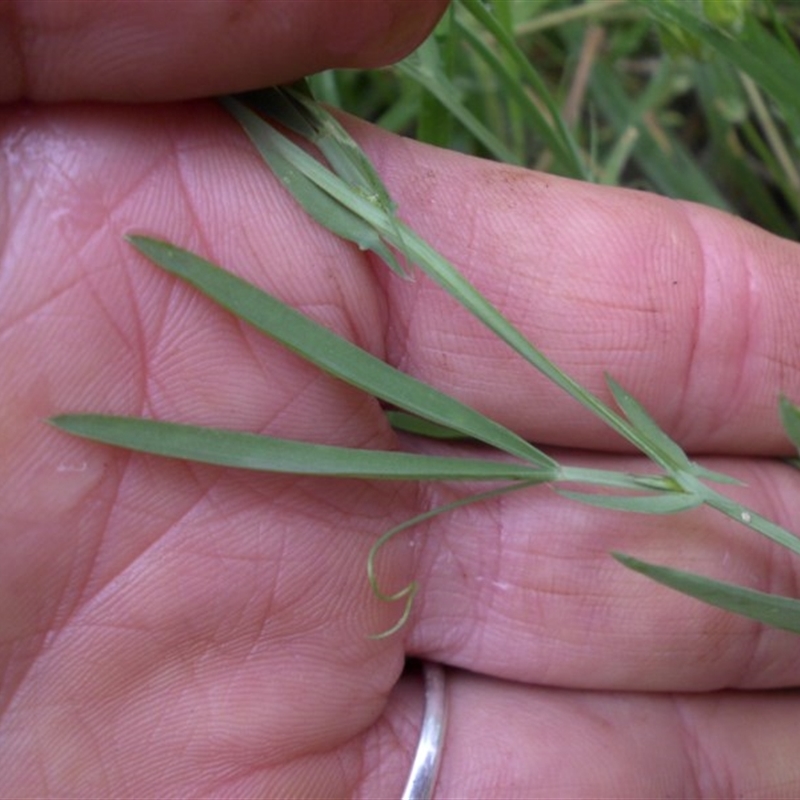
(771, 609)
(664, 160)
(772, 66)
(332, 353)
(270, 454)
(440, 87)
(434, 121)
(557, 134)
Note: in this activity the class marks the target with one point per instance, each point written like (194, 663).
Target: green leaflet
(771, 609)
(669, 503)
(294, 108)
(664, 450)
(267, 453)
(670, 455)
(321, 207)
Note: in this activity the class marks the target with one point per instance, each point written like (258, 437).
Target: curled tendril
(409, 592)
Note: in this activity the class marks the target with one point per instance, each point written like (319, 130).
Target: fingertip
(133, 52)
(401, 28)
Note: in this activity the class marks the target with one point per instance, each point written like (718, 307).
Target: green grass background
(696, 99)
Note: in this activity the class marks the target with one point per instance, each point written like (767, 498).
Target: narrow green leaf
(672, 456)
(434, 122)
(332, 353)
(319, 205)
(267, 453)
(670, 503)
(298, 111)
(774, 610)
(348, 161)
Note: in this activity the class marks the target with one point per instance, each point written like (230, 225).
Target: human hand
(170, 629)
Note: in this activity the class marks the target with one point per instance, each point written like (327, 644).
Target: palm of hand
(178, 629)
(217, 618)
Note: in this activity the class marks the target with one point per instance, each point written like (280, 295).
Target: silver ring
(425, 769)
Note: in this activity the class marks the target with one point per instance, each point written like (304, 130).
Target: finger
(131, 51)
(511, 741)
(525, 588)
(686, 307)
